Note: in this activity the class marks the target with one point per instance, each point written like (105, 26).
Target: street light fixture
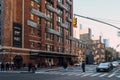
(9, 53)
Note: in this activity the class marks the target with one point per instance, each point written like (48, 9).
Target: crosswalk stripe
(111, 75)
(118, 76)
(38, 72)
(95, 74)
(63, 73)
(71, 74)
(79, 74)
(103, 75)
(86, 74)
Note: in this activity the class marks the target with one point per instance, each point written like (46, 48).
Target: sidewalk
(25, 70)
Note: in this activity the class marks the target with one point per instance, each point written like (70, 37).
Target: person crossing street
(83, 66)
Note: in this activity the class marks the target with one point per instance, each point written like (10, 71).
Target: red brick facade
(42, 34)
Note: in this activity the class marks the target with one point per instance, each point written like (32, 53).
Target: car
(104, 67)
(118, 61)
(115, 63)
(78, 64)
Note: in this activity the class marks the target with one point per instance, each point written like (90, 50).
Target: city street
(72, 73)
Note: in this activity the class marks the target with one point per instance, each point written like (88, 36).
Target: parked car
(115, 63)
(104, 67)
(78, 64)
(118, 61)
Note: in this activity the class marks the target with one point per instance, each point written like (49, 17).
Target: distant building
(106, 42)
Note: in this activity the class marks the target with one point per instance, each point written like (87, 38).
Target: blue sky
(105, 10)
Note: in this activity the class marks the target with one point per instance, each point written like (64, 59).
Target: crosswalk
(81, 74)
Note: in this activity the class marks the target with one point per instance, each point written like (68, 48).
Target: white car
(115, 63)
(104, 67)
(77, 64)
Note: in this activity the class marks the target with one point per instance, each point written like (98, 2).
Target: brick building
(36, 31)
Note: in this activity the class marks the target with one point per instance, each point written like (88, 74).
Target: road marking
(118, 76)
(116, 71)
(63, 73)
(39, 72)
(79, 74)
(95, 74)
(86, 74)
(71, 74)
(103, 75)
(111, 75)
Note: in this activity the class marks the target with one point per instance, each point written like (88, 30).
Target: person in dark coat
(29, 67)
(2, 66)
(83, 66)
(7, 66)
(65, 65)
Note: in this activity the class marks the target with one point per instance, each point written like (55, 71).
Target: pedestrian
(33, 68)
(12, 67)
(7, 66)
(29, 67)
(2, 66)
(83, 66)
(65, 65)
(50, 65)
(36, 66)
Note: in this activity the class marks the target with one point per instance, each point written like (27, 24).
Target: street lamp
(10, 56)
(117, 52)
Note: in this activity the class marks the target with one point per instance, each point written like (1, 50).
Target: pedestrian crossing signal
(74, 22)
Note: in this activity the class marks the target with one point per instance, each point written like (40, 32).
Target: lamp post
(2, 50)
(10, 55)
(117, 52)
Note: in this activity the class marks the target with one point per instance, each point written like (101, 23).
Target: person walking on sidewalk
(65, 66)
(83, 66)
(29, 67)
(7, 66)
(2, 66)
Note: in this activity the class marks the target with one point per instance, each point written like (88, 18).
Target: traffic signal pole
(97, 21)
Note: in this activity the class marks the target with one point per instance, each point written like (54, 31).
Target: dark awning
(52, 54)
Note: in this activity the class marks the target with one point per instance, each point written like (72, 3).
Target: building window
(67, 41)
(0, 25)
(60, 39)
(49, 36)
(31, 16)
(0, 8)
(32, 3)
(32, 44)
(59, 19)
(59, 1)
(60, 29)
(39, 45)
(32, 31)
(67, 50)
(39, 7)
(49, 24)
(39, 32)
(48, 12)
(68, 6)
(49, 47)
(73, 43)
(59, 49)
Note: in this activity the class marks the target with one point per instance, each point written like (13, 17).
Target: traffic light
(74, 22)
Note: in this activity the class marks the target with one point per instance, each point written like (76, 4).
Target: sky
(104, 10)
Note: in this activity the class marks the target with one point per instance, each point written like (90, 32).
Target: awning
(52, 54)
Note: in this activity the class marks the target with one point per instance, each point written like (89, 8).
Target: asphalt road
(73, 73)
(30, 76)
